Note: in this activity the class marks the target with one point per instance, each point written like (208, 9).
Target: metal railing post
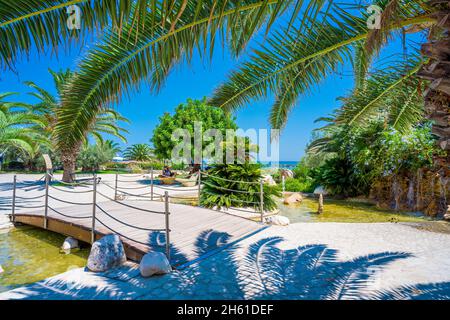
(47, 182)
(166, 212)
(261, 198)
(115, 186)
(199, 185)
(151, 183)
(94, 207)
(13, 211)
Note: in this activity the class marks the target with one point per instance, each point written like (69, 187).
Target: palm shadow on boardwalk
(264, 271)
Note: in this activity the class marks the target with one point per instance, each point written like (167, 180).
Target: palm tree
(49, 108)
(289, 64)
(139, 152)
(19, 128)
(294, 61)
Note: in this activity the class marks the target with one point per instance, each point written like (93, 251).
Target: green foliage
(299, 185)
(360, 156)
(139, 152)
(185, 116)
(244, 178)
(92, 157)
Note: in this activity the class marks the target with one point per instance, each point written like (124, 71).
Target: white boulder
(277, 220)
(154, 263)
(106, 253)
(293, 198)
(70, 243)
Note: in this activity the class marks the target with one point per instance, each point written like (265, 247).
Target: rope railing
(228, 180)
(69, 216)
(31, 198)
(70, 202)
(129, 205)
(124, 236)
(127, 224)
(94, 205)
(70, 191)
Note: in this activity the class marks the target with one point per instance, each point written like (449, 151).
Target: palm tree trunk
(69, 160)
(437, 70)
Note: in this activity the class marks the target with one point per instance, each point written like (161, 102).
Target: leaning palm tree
(49, 107)
(19, 128)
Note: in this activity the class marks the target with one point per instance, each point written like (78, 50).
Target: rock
(447, 214)
(154, 263)
(320, 190)
(268, 179)
(106, 253)
(277, 220)
(70, 243)
(293, 198)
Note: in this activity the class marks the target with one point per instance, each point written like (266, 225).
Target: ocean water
(281, 164)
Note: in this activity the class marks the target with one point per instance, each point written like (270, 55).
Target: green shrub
(295, 185)
(215, 194)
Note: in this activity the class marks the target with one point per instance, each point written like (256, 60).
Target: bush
(215, 194)
(295, 185)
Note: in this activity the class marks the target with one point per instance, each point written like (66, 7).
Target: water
(344, 211)
(28, 255)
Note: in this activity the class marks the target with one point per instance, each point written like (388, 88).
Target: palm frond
(390, 93)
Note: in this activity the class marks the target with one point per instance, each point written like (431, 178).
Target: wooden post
(166, 211)
(261, 198)
(115, 186)
(320, 210)
(151, 182)
(283, 183)
(47, 182)
(13, 212)
(199, 186)
(94, 207)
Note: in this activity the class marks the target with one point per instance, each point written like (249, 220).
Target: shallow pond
(28, 255)
(344, 211)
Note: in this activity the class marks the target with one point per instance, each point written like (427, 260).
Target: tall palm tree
(49, 107)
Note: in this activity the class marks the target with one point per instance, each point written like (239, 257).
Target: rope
(67, 216)
(67, 183)
(220, 178)
(30, 207)
(32, 198)
(132, 188)
(236, 200)
(70, 191)
(124, 223)
(231, 190)
(123, 236)
(130, 176)
(176, 189)
(130, 206)
(69, 202)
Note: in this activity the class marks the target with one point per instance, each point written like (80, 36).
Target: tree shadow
(262, 270)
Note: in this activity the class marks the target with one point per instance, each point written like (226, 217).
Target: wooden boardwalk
(195, 232)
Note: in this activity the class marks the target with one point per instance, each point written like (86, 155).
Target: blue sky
(194, 81)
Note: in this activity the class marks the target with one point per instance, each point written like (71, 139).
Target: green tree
(139, 152)
(49, 108)
(20, 129)
(92, 157)
(184, 117)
